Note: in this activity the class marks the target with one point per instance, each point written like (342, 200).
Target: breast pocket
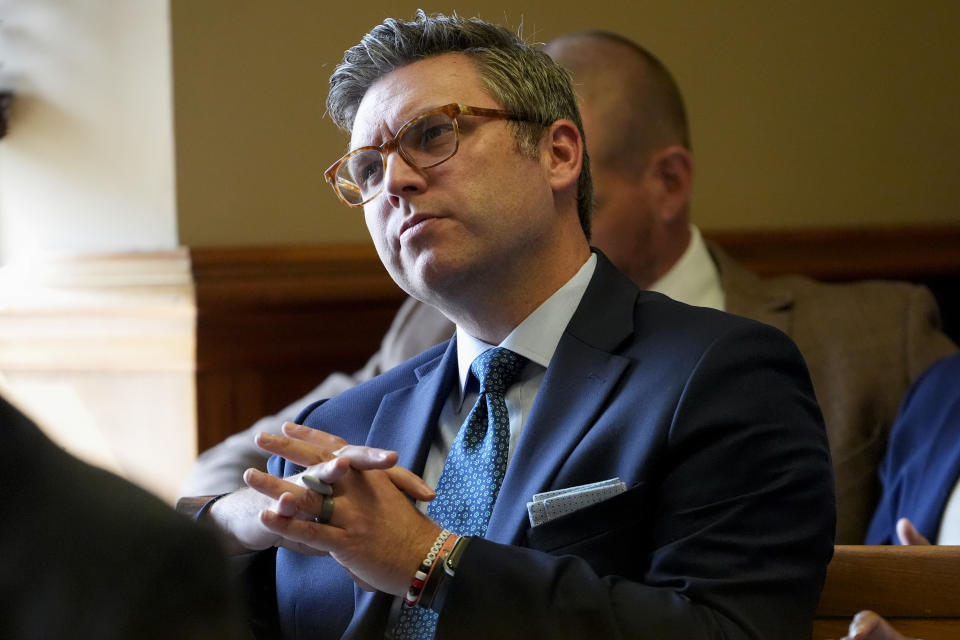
(608, 535)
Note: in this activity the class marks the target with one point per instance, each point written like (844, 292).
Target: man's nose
(401, 179)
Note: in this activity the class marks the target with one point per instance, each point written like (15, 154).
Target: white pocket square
(553, 504)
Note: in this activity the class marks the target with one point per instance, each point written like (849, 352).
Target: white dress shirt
(694, 279)
(950, 522)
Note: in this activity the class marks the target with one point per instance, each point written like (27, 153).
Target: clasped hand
(375, 532)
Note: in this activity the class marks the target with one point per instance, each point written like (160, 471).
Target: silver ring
(315, 484)
(326, 511)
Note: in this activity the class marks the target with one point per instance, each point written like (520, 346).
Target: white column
(87, 165)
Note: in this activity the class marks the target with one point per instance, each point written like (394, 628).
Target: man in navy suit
(468, 159)
(920, 504)
(921, 473)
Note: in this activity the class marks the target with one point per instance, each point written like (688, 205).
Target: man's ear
(672, 168)
(564, 154)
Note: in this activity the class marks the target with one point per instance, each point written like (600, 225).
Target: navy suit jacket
(922, 465)
(710, 419)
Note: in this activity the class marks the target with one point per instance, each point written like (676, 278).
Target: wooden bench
(916, 588)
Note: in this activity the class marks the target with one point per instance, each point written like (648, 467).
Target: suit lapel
(407, 418)
(582, 374)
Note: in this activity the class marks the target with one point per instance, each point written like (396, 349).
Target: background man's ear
(672, 167)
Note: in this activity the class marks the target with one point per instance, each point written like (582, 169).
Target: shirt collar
(694, 279)
(535, 338)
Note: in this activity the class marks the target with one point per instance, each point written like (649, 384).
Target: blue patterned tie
(474, 470)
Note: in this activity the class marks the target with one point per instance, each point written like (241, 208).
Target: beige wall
(803, 114)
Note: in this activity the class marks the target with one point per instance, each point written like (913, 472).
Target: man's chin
(429, 276)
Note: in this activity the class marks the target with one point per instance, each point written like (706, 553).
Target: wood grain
(915, 588)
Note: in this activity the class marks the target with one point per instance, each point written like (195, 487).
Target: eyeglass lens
(424, 142)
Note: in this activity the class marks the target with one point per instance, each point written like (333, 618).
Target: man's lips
(415, 220)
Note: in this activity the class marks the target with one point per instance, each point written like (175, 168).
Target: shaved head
(635, 104)
(639, 145)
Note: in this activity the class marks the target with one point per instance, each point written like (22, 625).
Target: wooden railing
(917, 589)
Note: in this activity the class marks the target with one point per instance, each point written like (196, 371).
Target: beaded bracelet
(438, 573)
(438, 583)
(420, 577)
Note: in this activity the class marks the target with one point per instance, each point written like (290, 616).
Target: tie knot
(497, 369)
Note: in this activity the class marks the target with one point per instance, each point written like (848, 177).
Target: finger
(315, 484)
(314, 436)
(347, 459)
(297, 451)
(292, 501)
(305, 502)
(289, 507)
(264, 483)
(862, 625)
(278, 524)
(908, 534)
(303, 532)
(872, 626)
(361, 457)
(411, 484)
(352, 457)
(330, 471)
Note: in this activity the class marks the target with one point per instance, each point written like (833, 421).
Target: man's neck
(670, 248)
(535, 338)
(492, 312)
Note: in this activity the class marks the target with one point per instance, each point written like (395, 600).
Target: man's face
(442, 230)
(624, 223)
(624, 218)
